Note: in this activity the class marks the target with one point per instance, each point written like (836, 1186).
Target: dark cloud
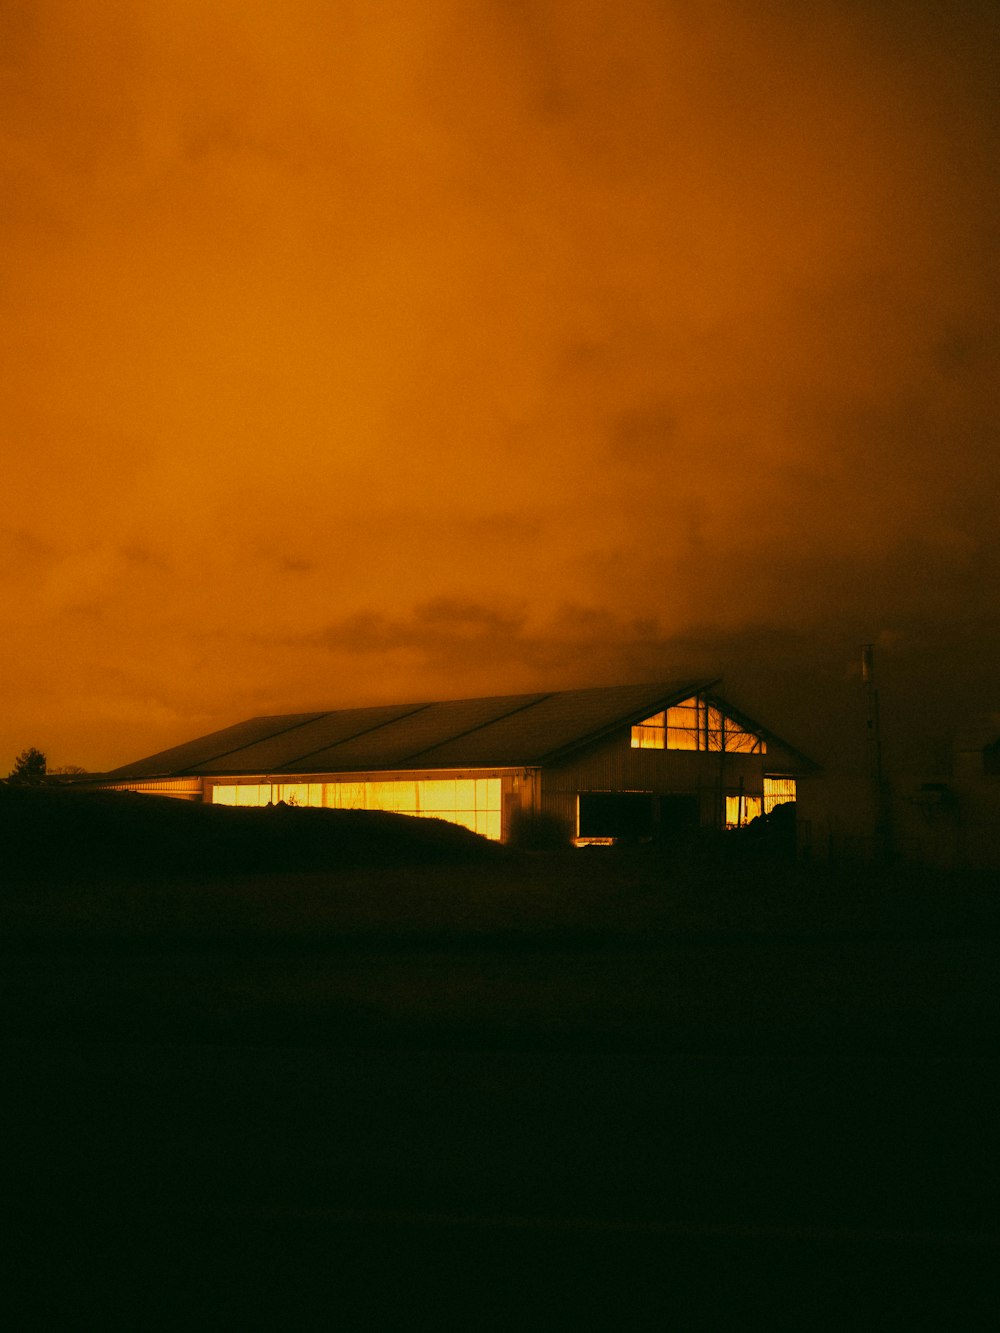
(21, 550)
(962, 350)
(642, 436)
(439, 628)
(144, 557)
(475, 347)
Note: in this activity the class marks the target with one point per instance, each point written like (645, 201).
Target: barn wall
(615, 766)
(612, 765)
(607, 766)
(519, 788)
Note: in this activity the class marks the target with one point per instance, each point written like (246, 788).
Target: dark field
(583, 1090)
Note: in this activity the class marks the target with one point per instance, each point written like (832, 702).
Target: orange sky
(356, 352)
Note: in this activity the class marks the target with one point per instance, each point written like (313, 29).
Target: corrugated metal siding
(358, 775)
(186, 789)
(562, 807)
(614, 766)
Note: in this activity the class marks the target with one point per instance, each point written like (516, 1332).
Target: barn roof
(516, 730)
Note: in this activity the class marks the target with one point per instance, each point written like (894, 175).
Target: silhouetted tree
(29, 768)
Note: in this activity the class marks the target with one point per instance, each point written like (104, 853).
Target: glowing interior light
(650, 734)
(741, 809)
(472, 802)
(695, 724)
(777, 791)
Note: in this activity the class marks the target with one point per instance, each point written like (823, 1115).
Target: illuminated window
(695, 724)
(472, 802)
(268, 793)
(298, 793)
(252, 793)
(651, 734)
(685, 726)
(741, 809)
(777, 791)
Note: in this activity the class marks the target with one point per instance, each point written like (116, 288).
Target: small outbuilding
(632, 762)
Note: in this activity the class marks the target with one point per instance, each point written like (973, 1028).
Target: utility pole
(871, 708)
(882, 823)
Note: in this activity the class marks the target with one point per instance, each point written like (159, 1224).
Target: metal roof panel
(200, 754)
(517, 730)
(557, 722)
(289, 750)
(400, 744)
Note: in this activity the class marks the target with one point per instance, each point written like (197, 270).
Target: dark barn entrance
(634, 815)
(626, 815)
(678, 818)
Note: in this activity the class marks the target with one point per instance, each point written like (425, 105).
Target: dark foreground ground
(587, 1092)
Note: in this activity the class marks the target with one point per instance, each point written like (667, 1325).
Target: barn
(622, 762)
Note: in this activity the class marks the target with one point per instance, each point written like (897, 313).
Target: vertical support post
(874, 742)
(882, 824)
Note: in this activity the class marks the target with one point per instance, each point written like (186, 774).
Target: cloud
(416, 327)
(445, 628)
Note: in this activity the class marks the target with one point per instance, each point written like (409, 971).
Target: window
(739, 741)
(472, 802)
(695, 724)
(741, 809)
(777, 791)
(298, 793)
(651, 734)
(685, 726)
(247, 793)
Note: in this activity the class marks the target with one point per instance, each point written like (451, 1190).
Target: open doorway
(623, 816)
